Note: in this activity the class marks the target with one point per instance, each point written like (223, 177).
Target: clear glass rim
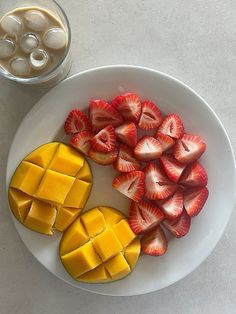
(43, 76)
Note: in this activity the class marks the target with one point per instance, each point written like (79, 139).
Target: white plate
(44, 123)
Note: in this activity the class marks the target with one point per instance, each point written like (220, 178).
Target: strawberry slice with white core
(180, 226)
(172, 167)
(101, 114)
(131, 184)
(189, 148)
(103, 159)
(157, 185)
(129, 106)
(194, 175)
(76, 121)
(172, 125)
(150, 117)
(195, 199)
(81, 141)
(105, 140)
(148, 148)
(154, 242)
(174, 206)
(166, 141)
(126, 161)
(143, 216)
(127, 133)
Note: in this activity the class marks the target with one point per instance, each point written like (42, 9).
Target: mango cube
(85, 173)
(43, 155)
(112, 216)
(27, 177)
(78, 195)
(81, 260)
(124, 232)
(99, 274)
(132, 252)
(65, 216)
(117, 267)
(94, 222)
(20, 203)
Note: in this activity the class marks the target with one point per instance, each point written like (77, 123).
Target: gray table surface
(191, 40)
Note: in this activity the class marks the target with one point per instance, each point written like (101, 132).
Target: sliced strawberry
(174, 206)
(154, 242)
(166, 141)
(127, 133)
(150, 117)
(189, 148)
(157, 185)
(194, 200)
(102, 113)
(148, 148)
(103, 158)
(76, 121)
(194, 175)
(105, 140)
(172, 125)
(81, 141)
(172, 167)
(126, 161)
(129, 106)
(180, 226)
(131, 184)
(144, 216)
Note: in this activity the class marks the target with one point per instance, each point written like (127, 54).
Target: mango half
(99, 246)
(50, 187)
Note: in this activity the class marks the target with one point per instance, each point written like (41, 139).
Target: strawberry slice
(127, 133)
(172, 125)
(194, 175)
(154, 242)
(173, 207)
(172, 167)
(131, 184)
(148, 148)
(129, 106)
(126, 161)
(103, 158)
(81, 141)
(166, 141)
(144, 216)
(105, 140)
(157, 185)
(180, 226)
(101, 114)
(150, 117)
(194, 200)
(76, 121)
(189, 148)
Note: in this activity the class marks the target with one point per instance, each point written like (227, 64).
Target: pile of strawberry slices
(159, 171)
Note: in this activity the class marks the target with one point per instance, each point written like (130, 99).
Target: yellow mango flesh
(93, 248)
(59, 178)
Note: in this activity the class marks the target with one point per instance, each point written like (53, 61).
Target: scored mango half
(50, 187)
(99, 246)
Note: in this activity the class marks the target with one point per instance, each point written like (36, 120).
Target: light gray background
(193, 40)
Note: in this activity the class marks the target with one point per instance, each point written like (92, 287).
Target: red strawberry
(166, 141)
(148, 148)
(81, 141)
(172, 167)
(103, 158)
(189, 148)
(131, 184)
(144, 216)
(105, 140)
(194, 175)
(172, 126)
(129, 106)
(157, 185)
(126, 161)
(102, 113)
(76, 121)
(173, 207)
(154, 242)
(150, 117)
(127, 133)
(194, 200)
(180, 226)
